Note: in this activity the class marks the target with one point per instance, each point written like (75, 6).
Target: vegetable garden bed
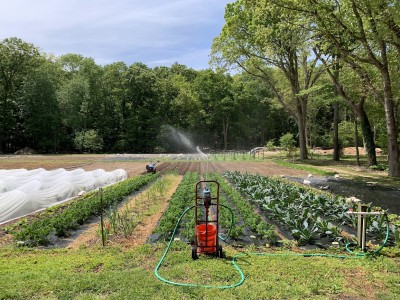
(247, 223)
(312, 217)
(62, 219)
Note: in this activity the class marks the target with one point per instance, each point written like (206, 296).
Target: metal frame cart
(206, 240)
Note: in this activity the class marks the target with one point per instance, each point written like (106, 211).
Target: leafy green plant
(70, 216)
(180, 200)
(295, 207)
(270, 145)
(379, 167)
(246, 211)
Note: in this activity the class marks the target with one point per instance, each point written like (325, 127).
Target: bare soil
(267, 168)
(135, 165)
(90, 236)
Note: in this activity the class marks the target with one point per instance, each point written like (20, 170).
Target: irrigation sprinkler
(362, 214)
(151, 168)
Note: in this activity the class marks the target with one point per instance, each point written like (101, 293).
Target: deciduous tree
(270, 43)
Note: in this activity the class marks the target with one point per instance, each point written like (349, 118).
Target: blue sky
(153, 32)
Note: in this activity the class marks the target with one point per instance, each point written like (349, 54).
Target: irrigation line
(362, 254)
(194, 284)
(234, 259)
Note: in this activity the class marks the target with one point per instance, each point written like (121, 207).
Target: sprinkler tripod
(362, 214)
(151, 168)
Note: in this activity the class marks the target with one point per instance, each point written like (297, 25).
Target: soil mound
(25, 151)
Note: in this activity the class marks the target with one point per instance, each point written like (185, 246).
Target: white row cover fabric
(23, 192)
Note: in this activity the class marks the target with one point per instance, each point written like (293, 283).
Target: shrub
(287, 141)
(270, 145)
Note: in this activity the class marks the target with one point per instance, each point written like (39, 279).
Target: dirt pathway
(144, 228)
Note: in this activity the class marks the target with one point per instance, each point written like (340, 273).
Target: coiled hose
(377, 250)
(233, 261)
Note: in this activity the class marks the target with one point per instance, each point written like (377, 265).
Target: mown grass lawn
(112, 273)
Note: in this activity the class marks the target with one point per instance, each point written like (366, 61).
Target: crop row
(184, 197)
(62, 219)
(251, 219)
(227, 220)
(307, 214)
(180, 200)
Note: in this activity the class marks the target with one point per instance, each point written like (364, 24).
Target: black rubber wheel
(194, 253)
(220, 253)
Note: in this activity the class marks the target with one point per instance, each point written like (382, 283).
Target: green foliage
(184, 198)
(379, 167)
(270, 145)
(70, 216)
(250, 218)
(180, 200)
(308, 214)
(346, 134)
(88, 140)
(122, 221)
(17, 59)
(39, 108)
(287, 141)
(271, 44)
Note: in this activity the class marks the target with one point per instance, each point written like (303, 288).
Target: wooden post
(362, 226)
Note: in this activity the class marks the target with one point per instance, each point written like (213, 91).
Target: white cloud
(151, 31)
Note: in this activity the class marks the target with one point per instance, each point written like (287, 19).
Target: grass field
(125, 270)
(111, 273)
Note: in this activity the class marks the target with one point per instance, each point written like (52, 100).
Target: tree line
(325, 71)
(70, 104)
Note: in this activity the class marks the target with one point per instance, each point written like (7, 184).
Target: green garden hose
(233, 261)
(377, 250)
(193, 284)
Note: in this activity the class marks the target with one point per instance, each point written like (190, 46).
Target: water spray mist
(203, 156)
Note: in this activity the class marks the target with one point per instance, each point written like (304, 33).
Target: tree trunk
(367, 133)
(393, 148)
(225, 133)
(336, 146)
(356, 138)
(301, 119)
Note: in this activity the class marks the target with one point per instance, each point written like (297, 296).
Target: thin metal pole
(101, 216)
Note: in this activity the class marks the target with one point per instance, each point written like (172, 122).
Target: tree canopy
(313, 70)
